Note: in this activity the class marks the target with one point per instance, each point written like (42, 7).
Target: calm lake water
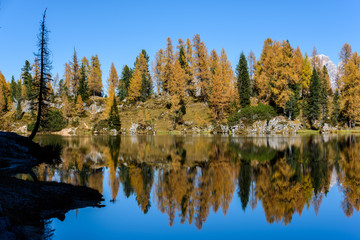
(194, 187)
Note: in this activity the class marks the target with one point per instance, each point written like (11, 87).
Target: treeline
(292, 84)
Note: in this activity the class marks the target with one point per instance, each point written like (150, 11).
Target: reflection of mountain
(192, 176)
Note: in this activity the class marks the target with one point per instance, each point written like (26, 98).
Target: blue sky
(118, 30)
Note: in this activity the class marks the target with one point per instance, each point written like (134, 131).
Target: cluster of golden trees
(190, 71)
(282, 77)
(285, 180)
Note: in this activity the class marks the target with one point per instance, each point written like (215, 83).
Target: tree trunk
(38, 119)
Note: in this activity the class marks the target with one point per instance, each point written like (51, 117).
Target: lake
(211, 187)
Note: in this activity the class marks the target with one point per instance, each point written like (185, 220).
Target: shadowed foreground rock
(25, 206)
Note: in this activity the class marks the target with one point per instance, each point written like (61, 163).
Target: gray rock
(188, 123)
(113, 132)
(133, 128)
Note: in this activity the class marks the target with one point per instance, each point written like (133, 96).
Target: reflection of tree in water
(193, 192)
(350, 176)
(196, 176)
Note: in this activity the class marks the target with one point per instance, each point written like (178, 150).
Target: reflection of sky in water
(124, 219)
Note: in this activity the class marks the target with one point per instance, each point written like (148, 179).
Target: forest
(282, 82)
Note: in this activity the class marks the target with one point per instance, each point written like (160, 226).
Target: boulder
(113, 132)
(133, 128)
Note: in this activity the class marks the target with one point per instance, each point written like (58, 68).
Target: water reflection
(187, 177)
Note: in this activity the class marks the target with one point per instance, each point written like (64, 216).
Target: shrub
(100, 125)
(252, 113)
(75, 122)
(53, 122)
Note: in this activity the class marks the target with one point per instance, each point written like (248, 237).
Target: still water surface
(186, 187)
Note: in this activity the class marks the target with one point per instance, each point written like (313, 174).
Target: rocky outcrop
(138, 128)
(326, 128)
(277, 125)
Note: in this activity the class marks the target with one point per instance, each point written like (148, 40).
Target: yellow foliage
(306, 73)
(350, 89)
(79, 105)
(66, 109)
(135, 84)
(265, 70)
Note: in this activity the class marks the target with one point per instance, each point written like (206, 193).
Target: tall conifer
(243, 81)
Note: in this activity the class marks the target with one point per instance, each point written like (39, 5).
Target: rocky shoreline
(275, 126)
(25, 206)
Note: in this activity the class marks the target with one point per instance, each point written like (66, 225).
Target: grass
(308, 131)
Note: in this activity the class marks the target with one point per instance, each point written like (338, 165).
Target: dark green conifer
(83, 88)
(124, 83)
(27, 80)
(335, 109)
(314, 99)
(243, 81)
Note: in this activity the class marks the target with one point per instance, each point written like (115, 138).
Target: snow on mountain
(332, 69)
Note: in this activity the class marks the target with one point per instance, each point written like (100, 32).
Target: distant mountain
(332, 69)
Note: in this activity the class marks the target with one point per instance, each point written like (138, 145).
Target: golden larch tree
(66, 108)
(284, 74)
(112, 81)
(298, 65)
(94, 81)
(169, 70)
(306, 72)
(350, 90)
(177, 92)
(67, 78)
(201, 68)
(217, 89)
(2, 100)
(113, 77)
(135, 84)
(265, 71)
(228, 78)
(79, 106)
(158, 69)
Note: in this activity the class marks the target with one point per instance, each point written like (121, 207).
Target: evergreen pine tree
(335, 109)
(124, 82)
(114, 118)
(314, 99)
(291, 107)
(243, 81)
(44, 76)
(19, 112)
(13, 88)
(324, 96)
(83, 88)
(27, 80)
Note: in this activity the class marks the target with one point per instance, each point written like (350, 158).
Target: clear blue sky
(118, 30)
